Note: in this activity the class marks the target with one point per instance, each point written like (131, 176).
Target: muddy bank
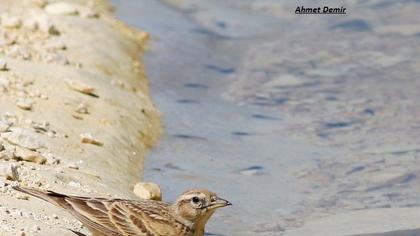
(75, 112)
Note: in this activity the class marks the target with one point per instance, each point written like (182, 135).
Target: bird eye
(213, 198)
(195, 200)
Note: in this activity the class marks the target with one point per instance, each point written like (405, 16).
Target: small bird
(119, 217)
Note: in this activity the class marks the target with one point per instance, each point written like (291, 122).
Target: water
(289, 117)
(210, 142)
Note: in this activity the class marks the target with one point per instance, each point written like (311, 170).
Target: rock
(72, 165)
(30, 24)
(17, 51)
(9, 171)
(25, 104)
(11, 22)
(148, 190)
(4, 126)
(45, 25)
(28, 155)
(4, 82)
(87, 138)
(54, 58)
(6, 155)
(3, 65)
(88, 13)
(40, 3)
(55, 45)
(61, 8)
(82, 108)
(80, 87)
(23, 138)
(77, 116)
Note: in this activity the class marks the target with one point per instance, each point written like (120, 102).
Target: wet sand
(293, 118)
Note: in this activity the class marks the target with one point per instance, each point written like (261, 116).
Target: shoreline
(76, 116)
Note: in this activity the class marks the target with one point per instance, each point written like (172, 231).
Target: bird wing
(116, 217)
(142, 218)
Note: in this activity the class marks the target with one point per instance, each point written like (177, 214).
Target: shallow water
(281, 114)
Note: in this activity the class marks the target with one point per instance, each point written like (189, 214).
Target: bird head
(196, 206)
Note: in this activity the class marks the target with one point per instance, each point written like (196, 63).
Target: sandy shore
(75, 112)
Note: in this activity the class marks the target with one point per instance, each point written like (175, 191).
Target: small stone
(4, 82)
(56, 45)
(23, 138)
(6, 155)
(61, 8)
(74, 184)
(148, 190)
(82, 108)
(30, 24)
(40, 3)
(72, 165)
(21, 233)
(80, 87)
(19, 51)
(77, 116)
(3, 65)
(88, 13)
(87, 138)
(11, 22)
(45, 25)
(25, 104)
(4, 126)
(30, 156)
(9, 171)
(22, 197)
(36, 228)
(54, 58)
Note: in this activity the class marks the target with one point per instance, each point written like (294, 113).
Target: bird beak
(220, 202)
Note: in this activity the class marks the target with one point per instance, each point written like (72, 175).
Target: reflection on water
(288, 116)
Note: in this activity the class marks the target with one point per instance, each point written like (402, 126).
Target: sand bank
(75, 112)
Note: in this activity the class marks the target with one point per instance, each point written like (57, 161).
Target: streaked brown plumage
(119, 217)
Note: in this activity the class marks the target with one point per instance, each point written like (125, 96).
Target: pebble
(3, 65)
(80, 87)
(4, 82)
(54, 58)
(88, 13)
(74, 184)
(77, 116)
(22, 197)
(45, 25)
(61, 8)
(30, 24)
(6, 155)
(28, 155)
(25, 104)
(4, 126)
(9, 171)
(148, 190)
(82, 108)
(23, 138)
(88, 138)
(56, 45)
(11, 22)
(72, 165)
